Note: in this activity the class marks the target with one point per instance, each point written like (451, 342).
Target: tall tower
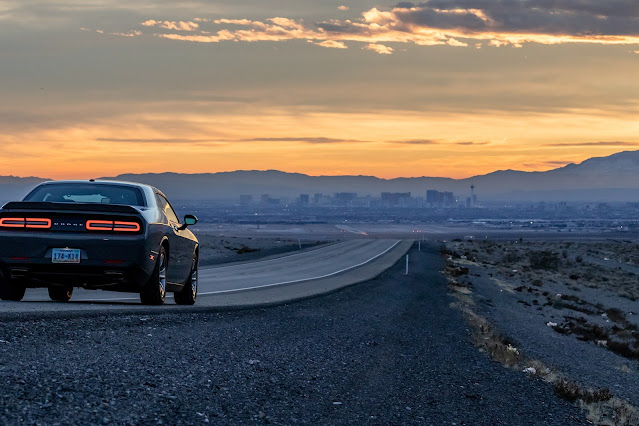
(472, 195)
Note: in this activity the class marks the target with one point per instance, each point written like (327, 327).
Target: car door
(180, 244)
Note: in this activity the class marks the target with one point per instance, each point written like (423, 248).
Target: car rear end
(75, 244)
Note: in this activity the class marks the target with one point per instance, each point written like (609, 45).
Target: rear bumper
(115, 262)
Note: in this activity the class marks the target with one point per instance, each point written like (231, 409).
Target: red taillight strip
(38, 223)
(99, 225)
(29, 222)
(108, 225)
(12, 222)
(126, 226)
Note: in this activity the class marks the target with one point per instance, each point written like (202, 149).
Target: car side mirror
(189, 220)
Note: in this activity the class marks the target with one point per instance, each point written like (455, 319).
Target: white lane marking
(267, 285)
(303, 279)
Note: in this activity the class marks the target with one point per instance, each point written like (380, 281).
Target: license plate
(65, 256)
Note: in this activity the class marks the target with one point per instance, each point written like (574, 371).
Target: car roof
(102, 182)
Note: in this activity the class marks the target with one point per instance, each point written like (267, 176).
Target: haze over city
(450, 89)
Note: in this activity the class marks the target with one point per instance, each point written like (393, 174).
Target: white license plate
(65, 256)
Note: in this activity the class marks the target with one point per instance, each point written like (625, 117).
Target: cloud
(159, 140)
(172, 25)
(457, 23)
(546, 164)
(379, 48)
(601, 143)
(416, 142)
(332, 44)
(436, 142)
(557, 163)
(343, 8)
(133, 33)
(310, 140)
(467, 143)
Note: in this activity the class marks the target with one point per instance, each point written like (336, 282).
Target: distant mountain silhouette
(14, 188)
(612, 178)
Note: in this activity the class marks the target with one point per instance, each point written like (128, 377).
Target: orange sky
(133, 87)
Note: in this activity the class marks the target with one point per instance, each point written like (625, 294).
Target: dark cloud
(311, 140)
(434, 142)
(551, 17)
(431, 18)
(169, 141)
(416, 142)
(472, 143)
(340, 28)
(557, 163)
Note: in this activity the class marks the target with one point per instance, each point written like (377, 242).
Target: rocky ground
(573, 306)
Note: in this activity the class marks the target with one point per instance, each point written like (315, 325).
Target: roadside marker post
(299, 242)
(420, 245)
(406, 264)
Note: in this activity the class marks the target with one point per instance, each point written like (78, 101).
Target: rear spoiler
(70, 207)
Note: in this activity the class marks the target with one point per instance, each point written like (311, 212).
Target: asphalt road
(386, 351)
(275, 280)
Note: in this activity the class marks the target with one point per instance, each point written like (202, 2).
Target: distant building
(395, 199)
(343, 198)
(440, 199)
(304, 199)
(266, 200)
(246, 200)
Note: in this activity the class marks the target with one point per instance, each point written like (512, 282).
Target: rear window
(87, 193)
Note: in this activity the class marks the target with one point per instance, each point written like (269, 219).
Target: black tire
(154, 292)
(189, 293)
(60, 294)
(11, 290)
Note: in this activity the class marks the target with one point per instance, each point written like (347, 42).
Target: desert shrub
(616, 315)
(571, 391)
(510, 257)
(245, 249)
(538, 283)
(545, 259)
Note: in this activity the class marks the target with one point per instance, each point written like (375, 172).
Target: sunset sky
(449, 88)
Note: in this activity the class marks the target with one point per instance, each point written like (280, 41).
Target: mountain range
(612, 178)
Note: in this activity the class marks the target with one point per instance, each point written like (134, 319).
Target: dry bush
(544, 259)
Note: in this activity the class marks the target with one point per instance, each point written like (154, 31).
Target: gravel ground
(388, 351)
(523, 311)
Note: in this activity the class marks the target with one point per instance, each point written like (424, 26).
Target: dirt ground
(574, 306)
(215, 249)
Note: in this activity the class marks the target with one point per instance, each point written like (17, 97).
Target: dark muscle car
(97, 234)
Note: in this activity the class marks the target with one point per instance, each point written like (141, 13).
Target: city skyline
(439, 88)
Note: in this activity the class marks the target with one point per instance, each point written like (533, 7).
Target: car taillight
(110, 225)
(25, 222)
(99, 225)
(126, 226)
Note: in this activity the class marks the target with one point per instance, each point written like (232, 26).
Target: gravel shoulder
(387, 351)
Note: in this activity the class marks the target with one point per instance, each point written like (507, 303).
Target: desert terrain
(564, 312)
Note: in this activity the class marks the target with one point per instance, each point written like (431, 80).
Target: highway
(277, 280)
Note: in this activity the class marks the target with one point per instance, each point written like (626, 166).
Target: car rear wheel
(11, 290)
(154, 292)
(189, 293)
(60, 294)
